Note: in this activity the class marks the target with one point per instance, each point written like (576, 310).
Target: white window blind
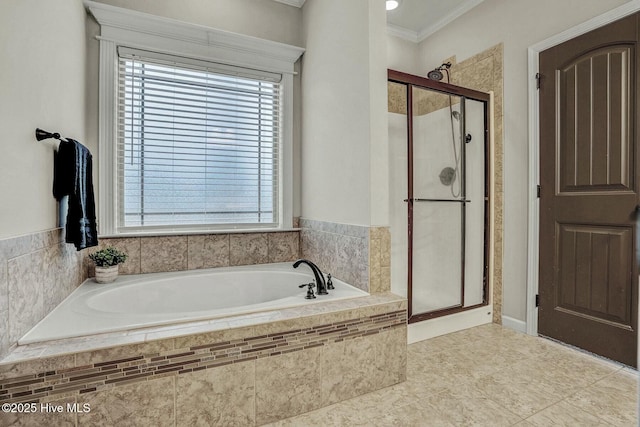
(198, 144)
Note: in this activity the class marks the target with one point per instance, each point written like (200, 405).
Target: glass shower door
(437, 201)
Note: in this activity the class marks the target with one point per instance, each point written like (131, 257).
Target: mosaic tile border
(141, 367)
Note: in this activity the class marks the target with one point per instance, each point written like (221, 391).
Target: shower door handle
(442, 200)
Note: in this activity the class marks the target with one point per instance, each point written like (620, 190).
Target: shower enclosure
(439, 137)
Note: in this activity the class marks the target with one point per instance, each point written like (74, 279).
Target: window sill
(196, 232)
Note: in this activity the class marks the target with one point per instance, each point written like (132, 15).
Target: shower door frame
(410, 81)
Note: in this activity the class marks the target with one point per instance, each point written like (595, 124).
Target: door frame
(533, 232)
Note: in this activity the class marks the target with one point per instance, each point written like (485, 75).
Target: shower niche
(439, 142)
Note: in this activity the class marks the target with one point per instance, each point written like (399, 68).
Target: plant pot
(106, 274)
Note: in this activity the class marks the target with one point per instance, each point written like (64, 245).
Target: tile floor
(492, 376)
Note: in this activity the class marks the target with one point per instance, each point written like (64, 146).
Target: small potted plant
(107, 261)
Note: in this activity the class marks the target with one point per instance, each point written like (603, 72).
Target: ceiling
(415, 20)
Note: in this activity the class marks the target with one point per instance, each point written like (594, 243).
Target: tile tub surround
(358, 255)
(243, 370)
(155, 254)
(37, 271)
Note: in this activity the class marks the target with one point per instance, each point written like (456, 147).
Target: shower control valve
(310, 286)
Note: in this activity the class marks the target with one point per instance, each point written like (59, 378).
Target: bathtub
(144, 300)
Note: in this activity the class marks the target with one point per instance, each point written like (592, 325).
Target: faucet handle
(310, 286)
(329, 282)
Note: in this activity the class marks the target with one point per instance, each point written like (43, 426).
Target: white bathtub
(145, 300)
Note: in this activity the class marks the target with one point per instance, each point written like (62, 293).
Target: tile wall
(37, 272)
(358, 255)
(178, 253)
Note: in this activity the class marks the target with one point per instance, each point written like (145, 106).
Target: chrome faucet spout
(321, 283)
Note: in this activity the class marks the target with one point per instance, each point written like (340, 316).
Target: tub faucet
(322, 285)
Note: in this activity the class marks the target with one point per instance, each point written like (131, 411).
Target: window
(195, 127)
(197, 143)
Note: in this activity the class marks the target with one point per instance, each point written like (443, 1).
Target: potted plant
(107, 261)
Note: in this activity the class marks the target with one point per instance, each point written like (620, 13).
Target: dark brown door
(588, 172)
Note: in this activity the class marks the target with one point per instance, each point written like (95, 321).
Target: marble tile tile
(284, 247)
(348, 369)
(333, 415)
(121, 352)
(374, 254)
(463, 410)
(385, 248)
(54, 287)
(148, 403)
(63, 418)
(518, 392)
(223, 396)
(25, 278)
(564, 414)
(391, 356)
(246, 249)
(4, 308)
(385, 279)
(130, 246)
(612, 399)
(216, 336)
(208, 251)
(12, 370)
(375, 281)
(15, 247)
(287, 385)
(163, 254)
(415, 414)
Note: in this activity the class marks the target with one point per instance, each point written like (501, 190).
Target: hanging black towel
(72, 177)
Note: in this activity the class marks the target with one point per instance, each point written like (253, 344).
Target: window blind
(198, 143)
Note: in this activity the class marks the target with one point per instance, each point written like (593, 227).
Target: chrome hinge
(537, 300)
(538, 79)
(538, 192)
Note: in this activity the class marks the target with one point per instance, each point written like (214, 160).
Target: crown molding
(402, 33)
(450, 17)
(295, 3)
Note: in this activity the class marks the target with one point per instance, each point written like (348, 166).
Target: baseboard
(515, 324)
(447, 324)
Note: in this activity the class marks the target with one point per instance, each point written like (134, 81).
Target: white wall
(265, 19)
(518, 24)
(402, 55)
(378, 116)
(42, 84)
(344, 112)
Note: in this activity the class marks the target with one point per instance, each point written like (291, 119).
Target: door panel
(437, 262)
(588, 163)
(594, 143)
(590, 283)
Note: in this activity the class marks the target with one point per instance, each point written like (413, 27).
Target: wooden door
(589, 191)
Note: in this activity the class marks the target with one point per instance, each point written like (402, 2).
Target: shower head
(436, 74)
